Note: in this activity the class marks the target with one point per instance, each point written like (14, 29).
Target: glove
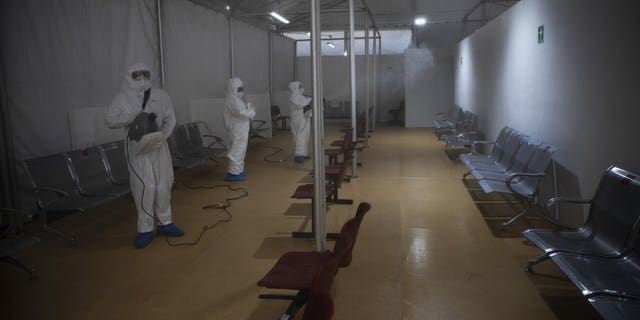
(152, 116)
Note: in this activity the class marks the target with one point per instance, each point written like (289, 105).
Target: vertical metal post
(270, 68)
(232, 70)
(159, 19)
(375, 81)
(367, 80)
(352, 85)
(295, 60)
(319, 197)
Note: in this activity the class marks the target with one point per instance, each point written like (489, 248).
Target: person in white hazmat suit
(238, 114)
(300, 121)
(149, 161)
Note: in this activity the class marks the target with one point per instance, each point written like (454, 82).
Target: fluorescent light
(331, 45)
(227, 7)
(420, 21)
(279, 17)
(345, 53)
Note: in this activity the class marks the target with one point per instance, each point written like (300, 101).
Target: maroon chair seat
(295, 270)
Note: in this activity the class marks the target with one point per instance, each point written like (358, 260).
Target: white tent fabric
(87, 128)
(61, 56)
(283, 61)
(251, 50)
(196, 54)
(65, 55)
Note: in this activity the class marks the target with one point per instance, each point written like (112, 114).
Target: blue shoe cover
(234, 177)
(170, 230)
(243, 174)
(299, 159)
(143, 239)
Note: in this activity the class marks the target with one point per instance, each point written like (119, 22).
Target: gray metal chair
(504, 162)
(90, 174)
(256, 129)
(520, 163)
(10, 245)
(115, 161)
(523, 185)
(614, 308)
(181, 149)
(464, 138)
(496, 153)
(55, 190)
(448, 120)
(610, 228)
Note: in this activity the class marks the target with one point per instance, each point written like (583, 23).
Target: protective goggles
(241, 89)
(137, 75)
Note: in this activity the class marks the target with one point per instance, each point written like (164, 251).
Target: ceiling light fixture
(420, 21)
(279, 17)
(227, 7)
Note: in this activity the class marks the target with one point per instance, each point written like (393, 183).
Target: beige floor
(425, 251)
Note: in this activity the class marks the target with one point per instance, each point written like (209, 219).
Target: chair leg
(464, 175)
(70, 239)
(17, 263)
(536, 260)
(523, 212)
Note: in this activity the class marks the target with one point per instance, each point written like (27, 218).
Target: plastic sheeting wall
(196, 54)
(64, 55)
(251, 52)
(60, 56)
(283, 60)
(577, 90)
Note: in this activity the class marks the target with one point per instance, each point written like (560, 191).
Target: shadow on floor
(454, 154)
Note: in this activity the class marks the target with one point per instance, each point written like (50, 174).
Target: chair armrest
(474, 145)
(521, 174)
(58, 192)
(217, 139)
(556, 200)
(260, 123)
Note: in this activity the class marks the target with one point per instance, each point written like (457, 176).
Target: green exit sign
(541, 34)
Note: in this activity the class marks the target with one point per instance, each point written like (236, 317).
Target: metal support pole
(352, 84)
(270, 69)
(367, 80)
(319, 196)
(232, 61)
(375, 82)
(159, 13)
(295, 59)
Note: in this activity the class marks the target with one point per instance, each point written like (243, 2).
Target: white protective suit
(300, 121)
(152, 195)
(237, 119)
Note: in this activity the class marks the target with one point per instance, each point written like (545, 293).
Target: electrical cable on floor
(220, 206)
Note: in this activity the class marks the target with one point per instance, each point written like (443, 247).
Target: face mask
(240, 94)
(140, 85)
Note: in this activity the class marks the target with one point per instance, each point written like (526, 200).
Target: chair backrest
(51, 171)
(524, 155)
(115, 159)
(324, 278)
(511, 149)
(471, 123)
(498, 147)
(319, 307)
(179, 144)
(351, 228)
(615, 209)
(88, 167)
(275, 111)
(195, 138)
(538, 164)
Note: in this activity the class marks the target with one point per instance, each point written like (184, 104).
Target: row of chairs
(460, 132)
(77, 180)
(601, 257)
(515, 166)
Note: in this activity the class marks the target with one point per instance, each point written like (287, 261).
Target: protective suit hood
(234, 85)
(294, 87)
(140, 84)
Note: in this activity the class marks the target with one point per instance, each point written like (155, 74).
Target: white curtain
(196, 54)
(283, 61)
(251, 51)
(64, 55)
